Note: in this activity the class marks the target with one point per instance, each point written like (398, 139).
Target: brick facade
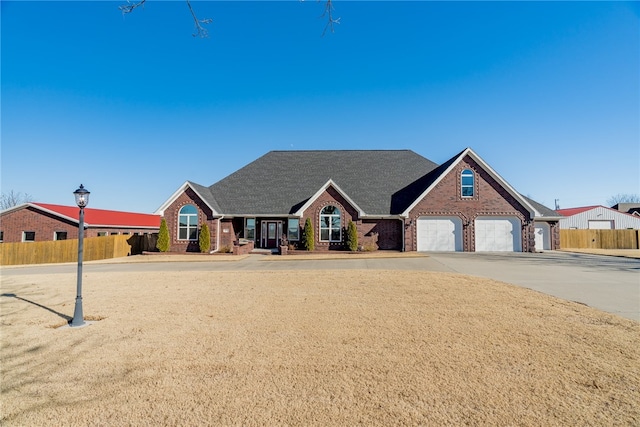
(555, 235)
(372, 234)
(489, 199)
(384, 234)
(45, 225)
(330, 197)
(189, 197)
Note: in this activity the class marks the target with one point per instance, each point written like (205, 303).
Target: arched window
(188, 223)
(330, 230)
(467, 184)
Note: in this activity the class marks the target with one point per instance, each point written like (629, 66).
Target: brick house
(36, 222)
(398, 200)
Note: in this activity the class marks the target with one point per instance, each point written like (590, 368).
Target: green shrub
(309, 236)
(204, 240)
(163, 243)
(352, 237)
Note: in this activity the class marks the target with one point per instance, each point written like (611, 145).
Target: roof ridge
(45, 205)
(337, 150)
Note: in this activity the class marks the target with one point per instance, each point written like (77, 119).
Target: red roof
(574, 211)
(96, 217)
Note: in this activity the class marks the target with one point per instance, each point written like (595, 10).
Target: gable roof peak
(435, 176)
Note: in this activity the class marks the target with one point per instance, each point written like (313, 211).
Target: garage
(543, 236)
(439, 233)
(498, 234)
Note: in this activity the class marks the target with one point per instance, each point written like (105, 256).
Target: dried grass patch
(311, 348)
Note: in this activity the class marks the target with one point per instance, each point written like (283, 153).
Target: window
(102, 233)
(188, 223)
(467, 183)
(330, 230)
(250, 229)
(1, 236)
(114, 233)
(293, 229)
(60, 235)
(28, 236)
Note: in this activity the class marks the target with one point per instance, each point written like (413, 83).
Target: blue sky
(548, 93)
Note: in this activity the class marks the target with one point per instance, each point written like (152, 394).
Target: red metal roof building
(44, 221)
(574, 211)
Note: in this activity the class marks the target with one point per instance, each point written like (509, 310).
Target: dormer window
(467, 183)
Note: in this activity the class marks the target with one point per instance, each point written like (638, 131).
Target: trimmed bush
(352, 237)
(204, 240)
(309, 236)
(163, 243)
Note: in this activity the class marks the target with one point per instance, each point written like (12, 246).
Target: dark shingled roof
(402, 199)
(380, 182)
(205, 193)
(280, 182)
(544, 211)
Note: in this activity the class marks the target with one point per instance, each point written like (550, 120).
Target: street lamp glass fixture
(82, 196)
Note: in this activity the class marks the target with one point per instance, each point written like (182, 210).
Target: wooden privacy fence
(600, 239)
(94, 248)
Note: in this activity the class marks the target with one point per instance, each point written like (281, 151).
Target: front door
(272, 234)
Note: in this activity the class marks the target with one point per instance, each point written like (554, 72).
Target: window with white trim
(188, 223)
(60, 235)
(330, 227)
(293, 229)
(250, 229)
(28, 236)
(467, 183)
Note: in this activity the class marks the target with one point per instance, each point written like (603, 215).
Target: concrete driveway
(611, 284)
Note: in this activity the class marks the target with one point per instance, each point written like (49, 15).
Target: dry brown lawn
(310, 348)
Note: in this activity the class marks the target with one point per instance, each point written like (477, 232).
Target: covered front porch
(268, 232)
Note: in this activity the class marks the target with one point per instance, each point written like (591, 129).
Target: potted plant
(284, 244)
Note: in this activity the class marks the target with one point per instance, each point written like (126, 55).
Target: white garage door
(498, 234)
(439, 233)
(543, 236)
(598, 224)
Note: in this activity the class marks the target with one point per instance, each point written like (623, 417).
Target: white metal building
(597, 217)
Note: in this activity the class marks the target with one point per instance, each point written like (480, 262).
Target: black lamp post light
(82, 199)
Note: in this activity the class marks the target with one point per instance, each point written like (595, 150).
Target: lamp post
(82, 199)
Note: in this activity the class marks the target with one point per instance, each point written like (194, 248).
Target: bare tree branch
(623, 198)
(328, 13)
(130, 6)
(11, 199)
(200, 30)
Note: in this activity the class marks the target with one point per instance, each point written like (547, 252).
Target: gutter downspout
(218, 235)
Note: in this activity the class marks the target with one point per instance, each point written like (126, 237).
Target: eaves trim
(533, 213)
(177, 193)
(324, 188)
